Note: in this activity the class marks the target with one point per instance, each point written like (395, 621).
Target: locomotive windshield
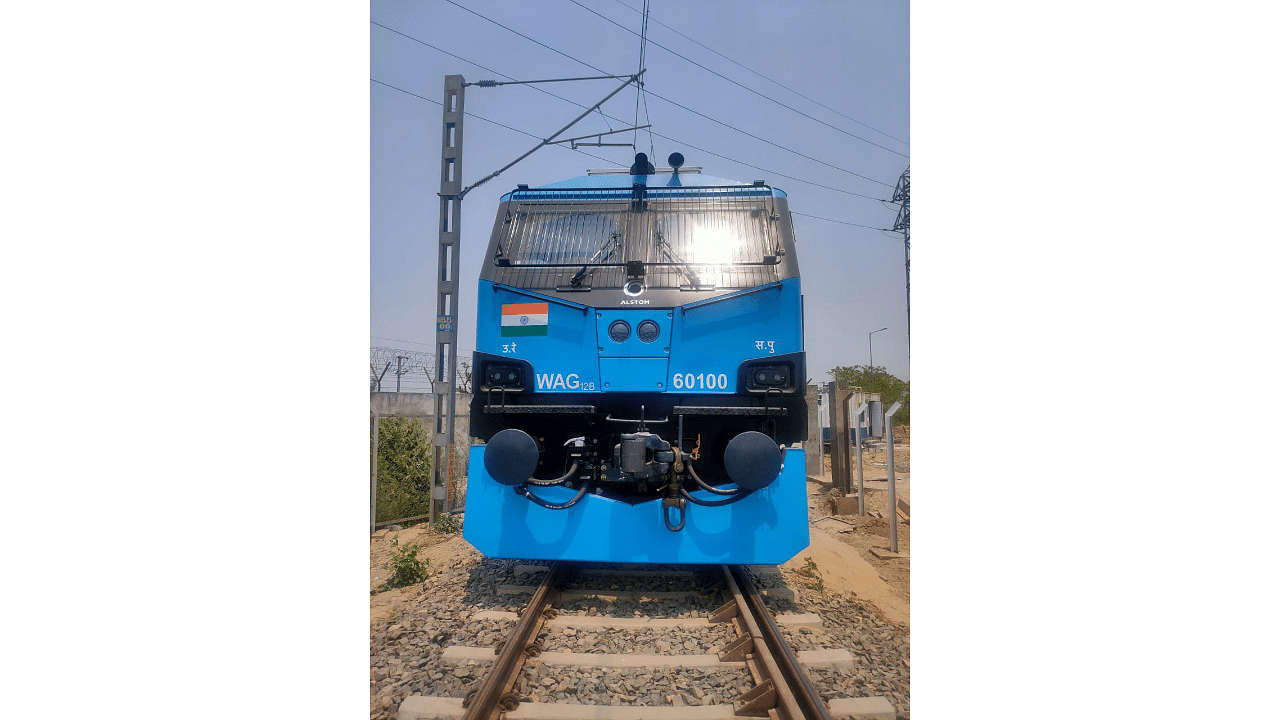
(688, 239)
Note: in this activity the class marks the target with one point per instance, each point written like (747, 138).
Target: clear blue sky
(852, 57)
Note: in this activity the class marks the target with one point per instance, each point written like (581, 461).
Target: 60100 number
(708, 381)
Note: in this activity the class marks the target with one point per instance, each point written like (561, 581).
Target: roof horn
(642, 165)
(675, 160)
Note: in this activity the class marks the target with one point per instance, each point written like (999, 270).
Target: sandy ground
(841, 546)
(839, 553)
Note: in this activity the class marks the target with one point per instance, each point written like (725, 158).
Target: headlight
(619, 331)
(648, 331)
(771, 376)
(498, 375)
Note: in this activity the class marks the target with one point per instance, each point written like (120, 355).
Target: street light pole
(871, 358)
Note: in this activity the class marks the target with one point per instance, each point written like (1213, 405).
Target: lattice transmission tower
(902, 196)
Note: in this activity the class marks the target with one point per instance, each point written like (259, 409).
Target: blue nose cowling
(511, 456)
(752, 459)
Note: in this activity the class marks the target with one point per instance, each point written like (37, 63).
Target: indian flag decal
(524, 319)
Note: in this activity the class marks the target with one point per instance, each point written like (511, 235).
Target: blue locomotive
(639, 375)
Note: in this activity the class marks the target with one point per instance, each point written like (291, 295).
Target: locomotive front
(639, 375)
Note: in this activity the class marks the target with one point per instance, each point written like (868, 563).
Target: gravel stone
(405, 655)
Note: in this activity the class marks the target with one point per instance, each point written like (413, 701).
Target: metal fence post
(862, 409)
(893, 492)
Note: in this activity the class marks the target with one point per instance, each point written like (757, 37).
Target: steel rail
(798, 699)
(483, 704)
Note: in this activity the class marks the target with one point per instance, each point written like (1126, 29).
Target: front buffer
(767, 528)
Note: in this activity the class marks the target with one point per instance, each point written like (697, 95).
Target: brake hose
(521, 489)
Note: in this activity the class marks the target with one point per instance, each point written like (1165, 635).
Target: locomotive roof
(655, 181)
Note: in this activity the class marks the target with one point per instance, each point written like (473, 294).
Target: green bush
(404, 469)
(810, 570)
(447, 523)
(878, 380)
(406, 569)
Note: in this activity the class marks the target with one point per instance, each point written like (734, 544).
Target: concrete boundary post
(813, 443)
(839, 458)
(846, 482)
(862, 409)
(893, 492)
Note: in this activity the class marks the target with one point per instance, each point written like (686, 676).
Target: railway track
(658, 644)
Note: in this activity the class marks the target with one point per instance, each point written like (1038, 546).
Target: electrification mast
(445, 383)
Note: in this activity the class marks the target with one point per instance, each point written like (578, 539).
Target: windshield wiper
(665, 248)
(606, 250)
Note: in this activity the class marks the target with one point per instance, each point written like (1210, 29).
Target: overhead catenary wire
(526, 37)
(640, 86)
(499, 74)
(676, 141)
(470, 115)
(645, 99)
(688, 109)
(683, 107)
(644, 36)
(652, 133)
(512, 80)
(797, 153)
(744, 163)
(735, 82)
(766, 77)
(547, 141)
(494, 122)
(842, 222)
(446, 52)
(497, 83)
